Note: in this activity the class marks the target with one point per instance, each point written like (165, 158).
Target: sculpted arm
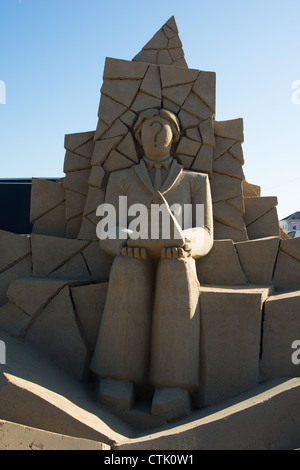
(112, 232)
(200, 236)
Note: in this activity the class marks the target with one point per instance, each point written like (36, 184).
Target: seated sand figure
(150, 330)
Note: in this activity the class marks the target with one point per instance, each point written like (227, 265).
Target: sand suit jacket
(180, 187)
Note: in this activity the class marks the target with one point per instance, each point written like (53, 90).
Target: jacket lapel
(142, 172)
(173, 175)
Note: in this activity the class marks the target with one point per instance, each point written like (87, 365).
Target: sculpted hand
(140, 253)
(173, 253)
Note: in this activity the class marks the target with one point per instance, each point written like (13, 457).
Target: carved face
(157, 138)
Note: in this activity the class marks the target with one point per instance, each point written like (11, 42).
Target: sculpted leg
(176, 326)
(175, 338)
(122, 349)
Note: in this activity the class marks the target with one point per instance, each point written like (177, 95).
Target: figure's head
(156, 130)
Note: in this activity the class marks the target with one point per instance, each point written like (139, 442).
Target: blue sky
(52, 58)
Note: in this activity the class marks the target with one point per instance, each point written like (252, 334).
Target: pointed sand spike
(172, 24)
(159, 49)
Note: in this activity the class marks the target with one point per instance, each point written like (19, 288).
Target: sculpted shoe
(171, 403)
(116, 394)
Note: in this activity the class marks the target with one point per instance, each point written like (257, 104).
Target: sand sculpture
(60, 286)
(136, 342)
